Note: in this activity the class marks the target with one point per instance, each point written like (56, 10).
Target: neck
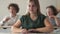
(33, 15)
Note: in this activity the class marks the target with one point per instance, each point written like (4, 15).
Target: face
(49, 12)
(12, 10)
(32, 7)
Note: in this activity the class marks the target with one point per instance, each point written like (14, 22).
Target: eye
(29, 5)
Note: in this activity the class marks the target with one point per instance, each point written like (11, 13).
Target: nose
(11, 11)
(31, 7)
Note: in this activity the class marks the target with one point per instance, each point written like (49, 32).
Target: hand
(24, 31)
(52, 16)
(31, 30)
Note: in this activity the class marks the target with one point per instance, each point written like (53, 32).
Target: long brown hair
(37, 5)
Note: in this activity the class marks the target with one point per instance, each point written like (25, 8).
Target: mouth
(31, 10)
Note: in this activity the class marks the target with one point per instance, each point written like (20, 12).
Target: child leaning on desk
(13, 17)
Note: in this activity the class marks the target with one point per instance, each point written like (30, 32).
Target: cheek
(35, 8)
(49, 13)
(10, 11)
(28, 8)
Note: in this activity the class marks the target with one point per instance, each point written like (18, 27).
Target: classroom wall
(58, 4)
(22, 5)
(45, 3)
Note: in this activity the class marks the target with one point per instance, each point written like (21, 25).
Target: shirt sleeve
(22, 19)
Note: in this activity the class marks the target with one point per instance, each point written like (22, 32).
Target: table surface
(8, 31)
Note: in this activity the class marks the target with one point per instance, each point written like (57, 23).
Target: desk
(8, 31)
(5, 26)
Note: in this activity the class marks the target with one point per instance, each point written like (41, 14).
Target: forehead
(32, 3)
(12, 7)
(49, 9)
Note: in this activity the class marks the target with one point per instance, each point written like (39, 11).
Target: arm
(57, 20)
(48, 27)
(16, 27)
(4, 20)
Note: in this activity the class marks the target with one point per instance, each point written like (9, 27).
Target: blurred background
(23, 5)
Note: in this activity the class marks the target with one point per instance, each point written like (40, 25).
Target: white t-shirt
(11, 21)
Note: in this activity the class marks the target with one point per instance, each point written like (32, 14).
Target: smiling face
(32, 7)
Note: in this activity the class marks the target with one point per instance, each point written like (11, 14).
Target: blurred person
(13, 17)
(33, 21)
(51, 13)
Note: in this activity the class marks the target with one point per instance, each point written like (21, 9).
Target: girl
(33, 21)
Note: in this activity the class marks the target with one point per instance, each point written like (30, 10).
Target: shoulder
(42, 16)
(23, 17)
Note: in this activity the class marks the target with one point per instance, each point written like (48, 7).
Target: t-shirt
(10, 22)
(28, 23)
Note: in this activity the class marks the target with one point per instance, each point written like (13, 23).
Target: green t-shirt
(28, 23)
